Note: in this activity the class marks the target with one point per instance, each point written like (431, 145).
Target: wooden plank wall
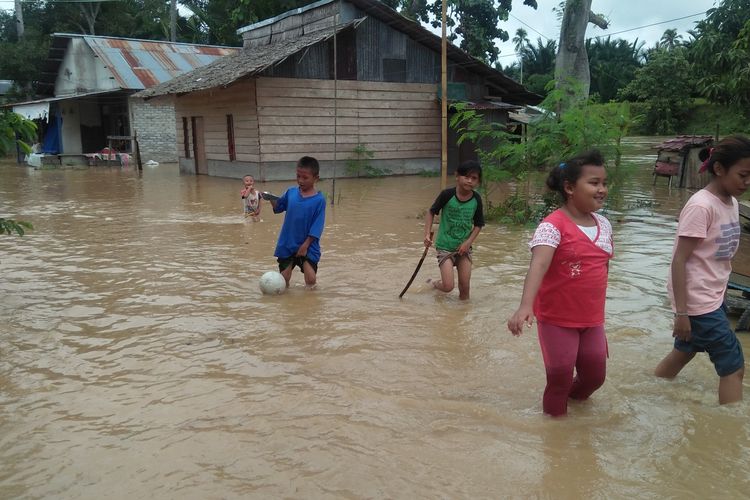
(214, 106)
(393, 120)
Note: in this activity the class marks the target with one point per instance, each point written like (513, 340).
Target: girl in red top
(566, 283)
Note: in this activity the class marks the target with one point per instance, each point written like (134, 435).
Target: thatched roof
(256, 59)
(248, 62)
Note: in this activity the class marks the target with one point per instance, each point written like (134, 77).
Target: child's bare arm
(466, 245)
(541, 257)
(428, 218)
(302, 250)
(685, 248)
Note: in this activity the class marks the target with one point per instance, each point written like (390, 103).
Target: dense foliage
(477, 22)
(506, 156)
(712, 64)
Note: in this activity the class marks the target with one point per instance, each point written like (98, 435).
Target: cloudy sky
(622, 15)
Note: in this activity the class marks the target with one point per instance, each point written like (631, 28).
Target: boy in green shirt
(460, 224)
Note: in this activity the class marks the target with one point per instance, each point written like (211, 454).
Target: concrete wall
(80, 71)
(71, 126)
(154, 123)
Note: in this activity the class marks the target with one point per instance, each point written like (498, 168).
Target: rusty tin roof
(684, 141)
(136, 64)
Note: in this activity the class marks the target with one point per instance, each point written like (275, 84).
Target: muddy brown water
(138, 359)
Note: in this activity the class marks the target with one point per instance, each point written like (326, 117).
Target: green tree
(664, 84)
(721, 53)
(539, 65)
(612, 65)
(14, 129)
(670, 39)
(549, 140)
(477, 22)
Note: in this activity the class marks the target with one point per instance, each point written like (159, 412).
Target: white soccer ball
(272, 283)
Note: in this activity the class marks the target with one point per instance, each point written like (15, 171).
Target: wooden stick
(419, 265)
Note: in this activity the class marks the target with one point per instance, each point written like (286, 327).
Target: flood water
(138, 358)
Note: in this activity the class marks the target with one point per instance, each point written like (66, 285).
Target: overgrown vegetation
(359, 163)
(10, 226)
(509, 158)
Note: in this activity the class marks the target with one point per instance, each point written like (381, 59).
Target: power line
(528, 26)
(649, 25)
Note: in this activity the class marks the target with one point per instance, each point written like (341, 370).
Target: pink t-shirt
(707, 270)
(574, 287)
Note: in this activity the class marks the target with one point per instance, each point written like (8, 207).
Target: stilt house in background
(89, 80)
(283, 97)
(678, 157)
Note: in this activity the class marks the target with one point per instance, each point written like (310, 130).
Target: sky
(622, 15)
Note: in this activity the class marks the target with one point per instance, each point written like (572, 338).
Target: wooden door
(199, 146)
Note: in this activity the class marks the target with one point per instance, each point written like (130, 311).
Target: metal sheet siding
(139, 64)
(376, 41)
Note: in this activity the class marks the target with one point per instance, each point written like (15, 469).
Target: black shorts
(296, 260)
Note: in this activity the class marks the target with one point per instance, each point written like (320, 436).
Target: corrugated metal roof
(135, 64)
(682, 141)
(140, 64)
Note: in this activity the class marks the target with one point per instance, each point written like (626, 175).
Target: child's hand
(520, 318)
(681, 329)
(428, 241)
(464, 248)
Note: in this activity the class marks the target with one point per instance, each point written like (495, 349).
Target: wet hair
(309, 163)
(468, 167)
(728, 151)
(249, 175)
(570, 170)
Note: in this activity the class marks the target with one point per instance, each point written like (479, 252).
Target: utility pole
(19, 19)
(172, 20)
(444, 101)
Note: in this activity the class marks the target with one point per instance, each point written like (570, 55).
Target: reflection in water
(139, 359)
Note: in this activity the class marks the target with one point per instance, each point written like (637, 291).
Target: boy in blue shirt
(299, 238)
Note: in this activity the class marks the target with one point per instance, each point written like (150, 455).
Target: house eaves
(248, 62)
(503, 86)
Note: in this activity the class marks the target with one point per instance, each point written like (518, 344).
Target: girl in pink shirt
(708, 235)
(566, 283)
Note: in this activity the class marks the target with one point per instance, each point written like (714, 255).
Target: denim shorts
(713, 334)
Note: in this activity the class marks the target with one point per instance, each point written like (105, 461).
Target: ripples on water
(139, 360)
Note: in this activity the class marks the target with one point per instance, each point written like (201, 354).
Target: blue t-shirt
(304, 217)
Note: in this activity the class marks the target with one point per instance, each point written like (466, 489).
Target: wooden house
(87, 81)
(679, 157)
(283, 96)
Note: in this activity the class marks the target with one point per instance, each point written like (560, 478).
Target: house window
(394, 70)
(230, 138)
(185, 137)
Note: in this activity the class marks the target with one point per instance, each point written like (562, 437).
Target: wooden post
(335, 100)
(444, 101)
(137, 152)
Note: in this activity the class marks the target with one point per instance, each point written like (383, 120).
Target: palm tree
(520, 41)
(612, 64)
(670, 39)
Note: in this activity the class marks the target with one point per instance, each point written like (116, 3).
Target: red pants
(564, 349)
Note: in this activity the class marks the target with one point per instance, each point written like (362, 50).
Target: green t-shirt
(458, 219)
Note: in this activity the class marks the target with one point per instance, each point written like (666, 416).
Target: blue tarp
(51, 142)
